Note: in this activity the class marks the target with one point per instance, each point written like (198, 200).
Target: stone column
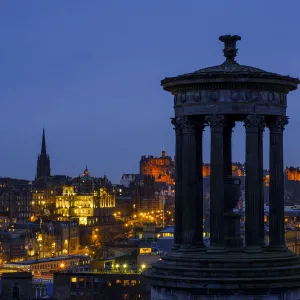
(191, 187)
(254, 212)
(216, 123)
(231, 192)
(276, 201)
(177, 122)
(261, 182)
(227, 147)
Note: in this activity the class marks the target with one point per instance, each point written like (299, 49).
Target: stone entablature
(243, 96)
(229, 102)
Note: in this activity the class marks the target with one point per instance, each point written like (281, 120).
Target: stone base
(158, 293)
(264, 274)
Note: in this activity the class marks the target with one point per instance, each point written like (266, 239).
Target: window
(73, 282)
(133, 282)
(126, 282)
(81, 282)
(88, 282)
(109, 283)
(118, 281)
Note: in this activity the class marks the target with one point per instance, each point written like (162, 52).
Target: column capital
(187, 125)
(254, 123)
(216, 122)
(277, 124)
(177, 125)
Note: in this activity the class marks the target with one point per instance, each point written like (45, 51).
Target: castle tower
(43, 161)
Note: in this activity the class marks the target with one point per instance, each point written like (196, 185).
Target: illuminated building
(12, 247)
(161, 168)
(50, 264)
(43, 162)
(44, 192)
(72, 205)
(238, 169)
(293, 173)
(86, 198)
(47, 239)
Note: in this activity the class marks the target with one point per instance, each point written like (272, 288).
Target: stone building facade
(161, 168)
(86, 199)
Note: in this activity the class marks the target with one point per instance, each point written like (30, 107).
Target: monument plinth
(218, 97)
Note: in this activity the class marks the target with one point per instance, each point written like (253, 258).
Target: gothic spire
(43, 162)
(43, 150)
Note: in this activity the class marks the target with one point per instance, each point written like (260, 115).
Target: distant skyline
(89, 73)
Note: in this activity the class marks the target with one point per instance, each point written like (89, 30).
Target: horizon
(90, 74)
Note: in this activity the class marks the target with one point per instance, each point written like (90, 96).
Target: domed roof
(86, 176)
(229, 69)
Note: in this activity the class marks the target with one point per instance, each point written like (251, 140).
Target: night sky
(90, 71)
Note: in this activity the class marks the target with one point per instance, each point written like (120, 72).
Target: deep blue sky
(90, 71)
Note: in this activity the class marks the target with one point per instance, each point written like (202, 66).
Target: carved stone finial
(230, 49)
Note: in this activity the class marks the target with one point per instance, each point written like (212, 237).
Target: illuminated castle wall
(292, 173)
(161, 168)
(238, 169)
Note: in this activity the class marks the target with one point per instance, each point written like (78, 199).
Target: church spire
(43, 162)
(43, 150)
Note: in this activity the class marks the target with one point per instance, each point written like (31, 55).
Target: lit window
(118, 281)
(133, 282)
(81, 282)
(74, 279)
(126, 282)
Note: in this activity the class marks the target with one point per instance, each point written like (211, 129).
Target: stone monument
(229, 268)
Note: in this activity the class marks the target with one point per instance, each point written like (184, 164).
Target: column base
(253, 249)
(217, 249)
(192, 248)
(277, 248)
(234, 242)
